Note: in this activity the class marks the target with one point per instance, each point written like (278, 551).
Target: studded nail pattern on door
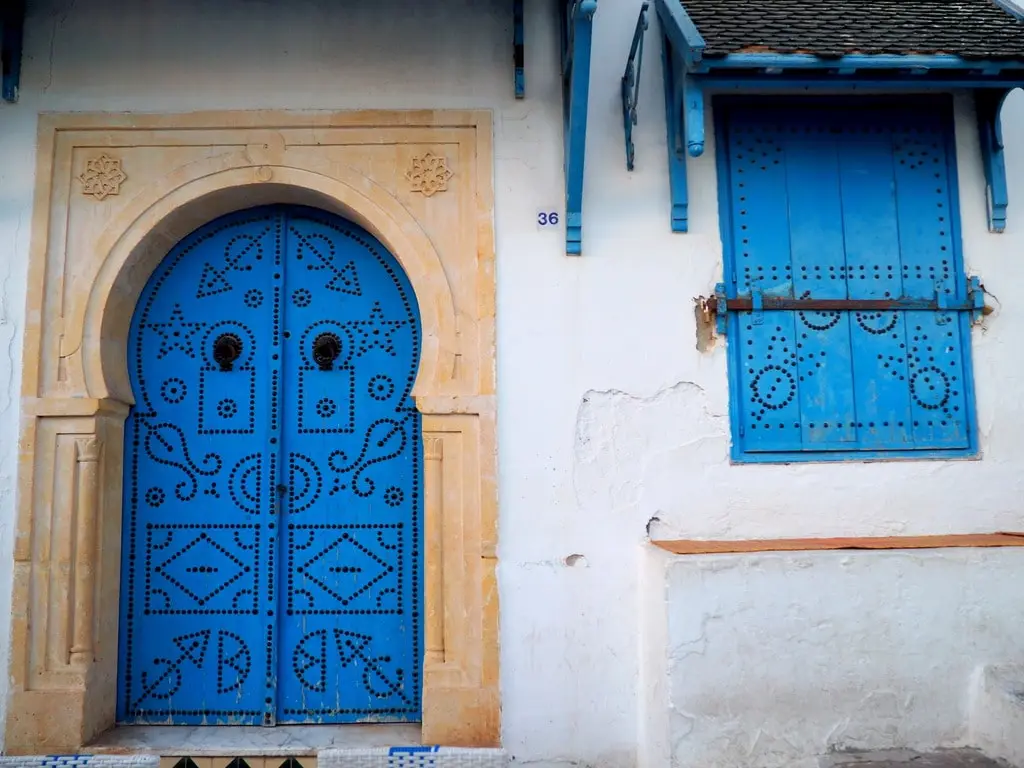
(272, 550)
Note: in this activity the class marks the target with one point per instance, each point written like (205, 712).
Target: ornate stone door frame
(114, 193)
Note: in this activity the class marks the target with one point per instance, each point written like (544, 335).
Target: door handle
(326, 348)
(227, 348)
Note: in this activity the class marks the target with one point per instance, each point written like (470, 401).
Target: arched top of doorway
(169, 209)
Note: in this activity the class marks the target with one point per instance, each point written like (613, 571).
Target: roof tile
(973, 29)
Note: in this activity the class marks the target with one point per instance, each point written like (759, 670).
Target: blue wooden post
(12, 24)
(577, 27)
(518, 50)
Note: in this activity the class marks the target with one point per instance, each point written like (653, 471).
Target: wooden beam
(714, 547)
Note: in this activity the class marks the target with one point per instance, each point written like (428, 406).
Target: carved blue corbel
(676, 147)
(12, 25)
(687, 46)
(518, 50)
(682, 52)
(631, 83)
(988, 106)
(577, 18)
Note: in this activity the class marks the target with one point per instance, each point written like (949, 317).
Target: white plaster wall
(608, 414)
(776, 658)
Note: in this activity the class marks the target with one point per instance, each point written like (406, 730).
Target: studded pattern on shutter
(845, 202)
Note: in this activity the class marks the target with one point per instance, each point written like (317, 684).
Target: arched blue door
(271, 548)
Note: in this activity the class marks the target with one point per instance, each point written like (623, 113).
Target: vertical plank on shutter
(767, 400)
(872, 234)
(824, 357)
(934, 363)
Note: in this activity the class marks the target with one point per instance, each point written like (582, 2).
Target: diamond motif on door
(197, 567)
(358, 571)
(271, 546)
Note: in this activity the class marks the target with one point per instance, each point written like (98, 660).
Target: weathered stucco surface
(779, 657)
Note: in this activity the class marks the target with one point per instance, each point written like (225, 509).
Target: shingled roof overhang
(808, 45)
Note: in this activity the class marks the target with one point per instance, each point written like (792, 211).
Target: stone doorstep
(228, 742)
(373, 757)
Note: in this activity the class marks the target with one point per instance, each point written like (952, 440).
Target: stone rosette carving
(102, 177)
(429, 174)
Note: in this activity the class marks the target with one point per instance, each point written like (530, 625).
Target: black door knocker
(227, 348)
(326, 348)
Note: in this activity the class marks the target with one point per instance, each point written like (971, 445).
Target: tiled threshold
(243, 741)
(249, 761)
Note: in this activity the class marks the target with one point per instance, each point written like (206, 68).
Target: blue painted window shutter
(830, 199)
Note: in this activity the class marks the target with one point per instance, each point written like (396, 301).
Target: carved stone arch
(166, 211)
(90, 257)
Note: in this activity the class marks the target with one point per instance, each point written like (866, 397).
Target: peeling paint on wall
(777, 658)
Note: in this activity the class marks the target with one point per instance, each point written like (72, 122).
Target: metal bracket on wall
(757, 303)
(988, 106)
(577, 19)
(12, 25)
(682, 50)
(518, 52)
(631, 83)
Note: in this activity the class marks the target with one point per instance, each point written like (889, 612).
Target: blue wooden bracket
(676, 146)
(518, 51)
(988, 106)
(577, 20)
(687, 54)
(682, 51)
(12, 26)
(631, 83)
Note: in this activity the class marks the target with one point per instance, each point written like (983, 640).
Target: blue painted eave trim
(12, 25)
(1010, 8)
(782, 62)
(577, 18)
(680, 29)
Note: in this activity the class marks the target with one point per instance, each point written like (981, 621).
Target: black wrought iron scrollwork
(227, 348)
(326, 348)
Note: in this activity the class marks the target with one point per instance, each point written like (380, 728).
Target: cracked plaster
(871, 651)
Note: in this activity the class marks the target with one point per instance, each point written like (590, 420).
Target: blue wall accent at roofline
(854, 62)
(681, 31)
(1017, 11)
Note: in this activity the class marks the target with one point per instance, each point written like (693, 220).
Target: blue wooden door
(271, 549)
(844, 200)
